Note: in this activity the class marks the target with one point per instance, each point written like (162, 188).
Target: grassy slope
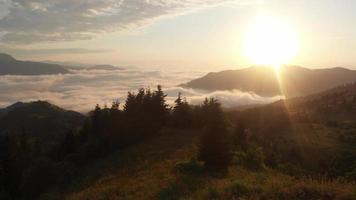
(146, 171)
(137, 172)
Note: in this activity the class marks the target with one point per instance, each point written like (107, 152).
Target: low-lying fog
(83, 89)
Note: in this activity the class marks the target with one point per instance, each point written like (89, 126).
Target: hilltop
(291, 81)
(39, 119)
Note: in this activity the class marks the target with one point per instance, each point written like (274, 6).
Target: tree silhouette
(69, 144)
(14, 159)
(182, 113)
(240, 135)
(214, 149)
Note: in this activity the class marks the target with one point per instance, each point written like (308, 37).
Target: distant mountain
(292, 80)
(39, 119)
(103, 67)
(11, 66)
(80, 66)
(67, 64)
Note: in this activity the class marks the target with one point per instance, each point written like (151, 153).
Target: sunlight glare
(270, 42)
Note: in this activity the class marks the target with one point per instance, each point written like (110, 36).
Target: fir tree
(214, 149)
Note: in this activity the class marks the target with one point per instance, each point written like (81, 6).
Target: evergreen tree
(130, 103)
(69, 144)
(182, 113)
(160, 108)
(178, 101)
(115, 105)
(117, 124)
(13, 165)
(214, 149)
(145, 113)
(96, 119)
(240, 135)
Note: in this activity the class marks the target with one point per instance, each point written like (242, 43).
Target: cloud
(228, 98)
(50, 51)
(4, 8)
(83, 89)
(30, 21)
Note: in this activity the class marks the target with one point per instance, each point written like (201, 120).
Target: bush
(352, 174)
(213, 193)
(172, 192)
(181, 187)
(192, 167)
(311, 191)
(38, 178)
(240, 189)
(295, 190)
(291, 169)
(252, 159)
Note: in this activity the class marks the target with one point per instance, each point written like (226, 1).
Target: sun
(270, 41)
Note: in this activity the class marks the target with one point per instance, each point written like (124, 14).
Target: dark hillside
(39, 119)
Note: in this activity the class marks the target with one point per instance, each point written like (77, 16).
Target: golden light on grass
(270, 41)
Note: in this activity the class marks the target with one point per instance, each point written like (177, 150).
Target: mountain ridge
(10, 66)
(291, 81)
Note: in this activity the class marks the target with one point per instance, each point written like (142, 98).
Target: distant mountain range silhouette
(291, 81)
(11, 66)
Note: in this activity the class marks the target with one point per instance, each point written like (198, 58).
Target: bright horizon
(209, 35)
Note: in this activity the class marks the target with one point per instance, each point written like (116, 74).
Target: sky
(170, 34)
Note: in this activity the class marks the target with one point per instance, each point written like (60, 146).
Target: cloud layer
(82, 89)
(51, 51)
(29, 21)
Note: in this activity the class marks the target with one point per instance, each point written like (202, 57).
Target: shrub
(240, 189)
(320, 189)
(252, 159)
(213, 193)
(181, 187)
(192, 167)
(172, 192)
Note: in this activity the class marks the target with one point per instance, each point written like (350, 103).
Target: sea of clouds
(81, 90)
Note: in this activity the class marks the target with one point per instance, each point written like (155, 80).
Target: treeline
(27, 170)
(143, 115)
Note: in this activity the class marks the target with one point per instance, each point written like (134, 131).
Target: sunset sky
(167, 34)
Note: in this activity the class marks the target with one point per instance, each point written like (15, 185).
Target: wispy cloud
(31, 21)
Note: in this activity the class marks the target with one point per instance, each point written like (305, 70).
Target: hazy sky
(172, 33)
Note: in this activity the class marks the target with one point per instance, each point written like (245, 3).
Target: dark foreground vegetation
(144, 149)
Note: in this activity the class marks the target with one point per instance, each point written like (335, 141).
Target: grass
(137, 172)
(164, 168)
(270, 184)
